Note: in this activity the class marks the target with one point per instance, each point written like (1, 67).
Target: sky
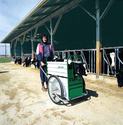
(12, 12)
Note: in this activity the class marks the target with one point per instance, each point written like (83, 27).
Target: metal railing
(110, 66)
(89, 59)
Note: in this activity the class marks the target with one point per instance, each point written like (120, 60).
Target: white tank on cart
(60, 69)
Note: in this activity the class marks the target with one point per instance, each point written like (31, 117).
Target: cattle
(28, 61)
(35, 62)
(18, 60)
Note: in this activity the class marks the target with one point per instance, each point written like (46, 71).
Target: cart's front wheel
(55, 89)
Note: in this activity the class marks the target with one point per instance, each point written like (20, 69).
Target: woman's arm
(38, 53)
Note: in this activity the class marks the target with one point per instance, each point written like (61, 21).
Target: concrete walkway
(22, 101)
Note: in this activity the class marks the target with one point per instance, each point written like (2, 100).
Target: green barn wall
(27, 49)
(76, 31)
(112, 26)
(12, 50)
(18, 49)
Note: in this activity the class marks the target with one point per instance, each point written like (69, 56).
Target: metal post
(51, 31)
(57, 24)
(94, 62)
(32, 45)
(89, 62)
(106, 10)
(15, 47)
(22, 53)
(98, 42)
(115, 62)
(117, 52)
(32, 41)
(11, 47)
(21, 50)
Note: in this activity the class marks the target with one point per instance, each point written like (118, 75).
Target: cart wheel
(55, 89)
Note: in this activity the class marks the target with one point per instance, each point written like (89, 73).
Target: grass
(5, 59)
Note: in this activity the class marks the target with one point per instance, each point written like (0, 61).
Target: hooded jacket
(44, 51)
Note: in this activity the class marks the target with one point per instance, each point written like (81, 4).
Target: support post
(15, 47)
(21, 50)
(87, 12)
(106, 10)
(57, 24)
(32, 41)
(11, 48)
(98, 41)
(32, 44)
(47, 29)
(51, 31)
(22, 46)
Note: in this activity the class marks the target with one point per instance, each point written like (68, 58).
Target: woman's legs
(43, 76)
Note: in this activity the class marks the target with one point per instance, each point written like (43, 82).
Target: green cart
(65, 83)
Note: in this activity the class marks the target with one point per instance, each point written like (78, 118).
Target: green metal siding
(76, 31)
(27, 47)
(18, 49)
(112, 26)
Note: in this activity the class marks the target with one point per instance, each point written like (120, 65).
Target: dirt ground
(22, 102)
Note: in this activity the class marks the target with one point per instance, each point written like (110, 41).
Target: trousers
(42, 75)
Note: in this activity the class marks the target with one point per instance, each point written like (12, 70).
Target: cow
(18, 60)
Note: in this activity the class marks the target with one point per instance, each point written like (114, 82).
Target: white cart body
(60, 69)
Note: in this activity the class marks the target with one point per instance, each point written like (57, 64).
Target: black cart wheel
(55, 89)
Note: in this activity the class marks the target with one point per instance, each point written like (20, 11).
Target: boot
(45, 86)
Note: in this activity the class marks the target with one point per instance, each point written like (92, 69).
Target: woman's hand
(42, 64)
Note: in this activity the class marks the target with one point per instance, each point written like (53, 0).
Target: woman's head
(44, 38)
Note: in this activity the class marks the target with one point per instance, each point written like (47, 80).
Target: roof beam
(86, 11)
(55, 4)
(41, 14)
(106, 9)
(66, 8)
(57, 24)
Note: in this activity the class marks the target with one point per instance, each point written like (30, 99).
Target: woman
(44, 53)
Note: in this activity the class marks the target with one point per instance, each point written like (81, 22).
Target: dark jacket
(44, 52)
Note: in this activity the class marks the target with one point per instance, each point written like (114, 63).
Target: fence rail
(112, 59)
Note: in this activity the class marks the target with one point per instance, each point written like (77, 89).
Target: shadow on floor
(4, 72)
(90, 94)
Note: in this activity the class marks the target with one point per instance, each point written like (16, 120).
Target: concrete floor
(22, 102)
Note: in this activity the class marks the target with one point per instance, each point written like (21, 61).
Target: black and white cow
(18, 60)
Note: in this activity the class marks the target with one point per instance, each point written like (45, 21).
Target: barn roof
(40, 14)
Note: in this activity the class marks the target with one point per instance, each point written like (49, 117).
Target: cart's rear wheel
(55, 89)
